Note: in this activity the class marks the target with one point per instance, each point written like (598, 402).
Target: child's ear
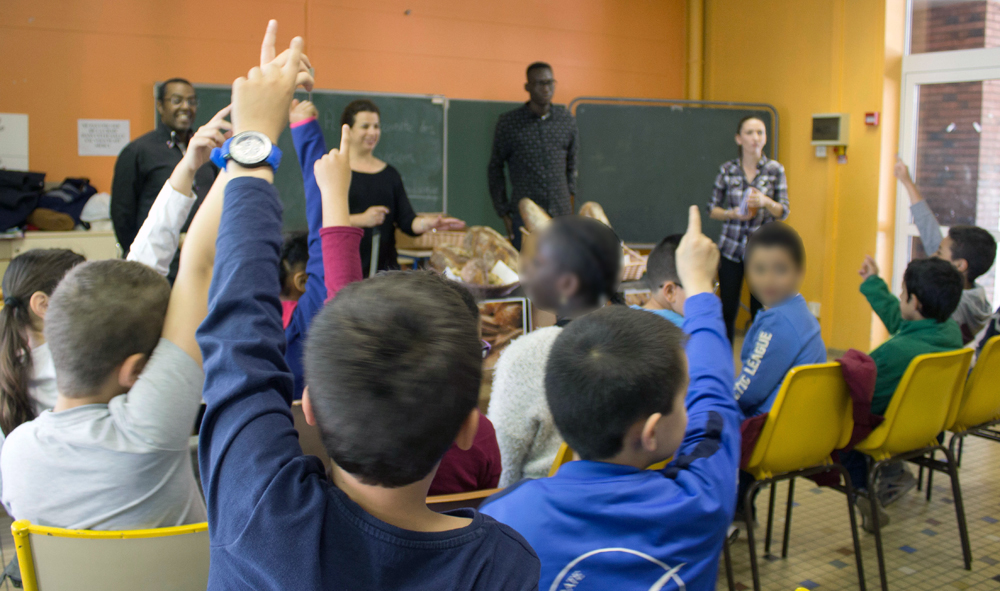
(130, 369)
(567, 285)
(648, 435)
(39, 304)
(669, 291)
(467, 433)
(307, 408)
(961, 264)
(299, 280)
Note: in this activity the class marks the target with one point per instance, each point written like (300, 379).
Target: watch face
(250, 148)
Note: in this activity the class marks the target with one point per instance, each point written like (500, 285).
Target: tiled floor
(921, 543)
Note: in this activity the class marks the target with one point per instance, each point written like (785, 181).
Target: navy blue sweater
(275, 521)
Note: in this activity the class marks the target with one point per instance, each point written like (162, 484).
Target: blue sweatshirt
(274, 520)
(310, 147)
(597, 525)
(668, 314)
(779, 339)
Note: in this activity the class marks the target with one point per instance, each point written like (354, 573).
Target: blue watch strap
(220, 156)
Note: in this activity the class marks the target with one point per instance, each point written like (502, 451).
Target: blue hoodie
(597, 525)
(310, 147)
(779, 339)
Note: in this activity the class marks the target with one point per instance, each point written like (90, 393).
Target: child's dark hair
(28, 273)
(937, 284)
(781, 235)
(294, 255)
(976, 246)
(467, 298)
(355, 107)
(591, 251)
(661, 266)
(609, 369)
(393, 366)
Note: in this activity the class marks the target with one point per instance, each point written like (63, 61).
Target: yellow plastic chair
(162, 559)
(563, 456)
(977, 409)
(920, 409)
(466, 500)
(811, 417)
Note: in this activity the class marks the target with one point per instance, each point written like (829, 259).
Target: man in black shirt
(146, 163)
(539, 143)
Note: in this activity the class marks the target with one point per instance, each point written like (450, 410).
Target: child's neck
(36, 338)
(404, 507)
(652, 304)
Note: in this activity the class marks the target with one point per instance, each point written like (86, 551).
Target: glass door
(950, 139)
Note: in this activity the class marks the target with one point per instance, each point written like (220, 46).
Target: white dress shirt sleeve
(157, 240)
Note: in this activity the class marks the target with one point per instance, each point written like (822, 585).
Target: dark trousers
(730, 286)
(517, 223)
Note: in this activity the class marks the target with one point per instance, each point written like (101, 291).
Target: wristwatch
(249, 149)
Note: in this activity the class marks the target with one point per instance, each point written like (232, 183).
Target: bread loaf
(483, 242)
(535, 218)
(449, 255)
(592, 209)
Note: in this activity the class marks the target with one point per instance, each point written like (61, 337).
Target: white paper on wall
(101, 137)
(14, 141)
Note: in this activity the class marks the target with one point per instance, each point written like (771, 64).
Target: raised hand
(211, 135)
(267, 56)
(423, 224)
(302, 110)
(697, 257)
(333, 175)
(262, 99)
(902, 171)
(869, 268)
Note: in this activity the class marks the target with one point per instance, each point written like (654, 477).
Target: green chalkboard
(412, 141)
(646, 164)
(470, 141)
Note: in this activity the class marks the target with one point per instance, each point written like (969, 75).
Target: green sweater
(910, 338)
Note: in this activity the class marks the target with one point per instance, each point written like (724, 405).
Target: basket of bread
(485, 263)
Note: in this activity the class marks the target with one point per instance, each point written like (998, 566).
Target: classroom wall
(99, 59)
(824, 56)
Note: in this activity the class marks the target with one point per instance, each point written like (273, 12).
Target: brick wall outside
(958, 171)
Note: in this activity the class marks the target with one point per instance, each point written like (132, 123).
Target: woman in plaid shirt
(750, 191)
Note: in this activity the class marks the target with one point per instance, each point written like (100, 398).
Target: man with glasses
(146, 163)
(538, 142)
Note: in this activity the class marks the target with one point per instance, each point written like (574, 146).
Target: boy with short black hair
(920, 321)
(393, 367)
(616, 383)
(667, 293)
(784, 334)
(972, 250)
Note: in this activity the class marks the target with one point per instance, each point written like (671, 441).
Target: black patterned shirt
(728, 192)
(540, 153)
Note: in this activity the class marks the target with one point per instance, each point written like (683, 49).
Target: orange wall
(98, 59)
(824, 56)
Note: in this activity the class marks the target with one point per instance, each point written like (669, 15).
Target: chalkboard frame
(683, 104)
(436, 99)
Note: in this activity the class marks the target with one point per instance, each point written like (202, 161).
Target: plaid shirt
(728, 192)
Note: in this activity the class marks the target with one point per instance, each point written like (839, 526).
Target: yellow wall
(823, 56)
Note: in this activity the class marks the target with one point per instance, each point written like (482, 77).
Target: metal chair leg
(788, 517)
(873, 500)
(961, 448)
(748, 516)
(930, 480)
(956, 491)
(851, 496)
(728, 562)
(920, 478)
(770, 518)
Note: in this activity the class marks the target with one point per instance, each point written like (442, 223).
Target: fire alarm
(872, 118)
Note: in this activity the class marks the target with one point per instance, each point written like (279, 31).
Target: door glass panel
(947, 25)
(957, 160)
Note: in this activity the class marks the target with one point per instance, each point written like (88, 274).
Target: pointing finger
(294, 61)
(267, 46)
(345, 144)
(694, 220)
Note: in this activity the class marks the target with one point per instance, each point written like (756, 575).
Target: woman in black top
(377, 198)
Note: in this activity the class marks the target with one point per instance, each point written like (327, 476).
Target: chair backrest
(163, 559)
(811, 416)
(921, 404)
(564, 455)
(470, 500)
(309, 437)
(980, 401)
